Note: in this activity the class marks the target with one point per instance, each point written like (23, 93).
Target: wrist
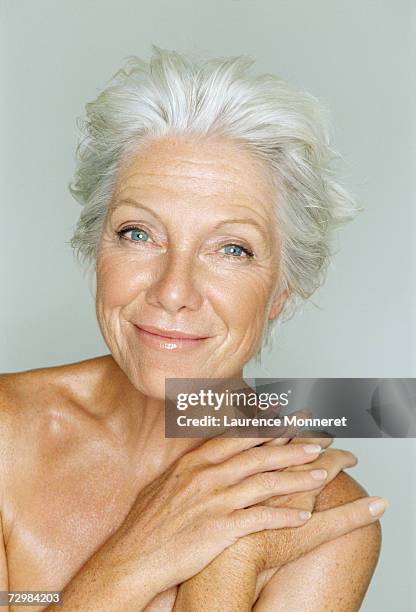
(119, 581)
(246, 555)
(227, 583)
(133, 592)
(140, 584)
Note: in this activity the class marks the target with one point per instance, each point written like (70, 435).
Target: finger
(323, 527)
(264, 459)
(324, 442)
(333, 460)
(330, 524)
(219, 449)
(278, 442)
(258, 518)
(262, 486)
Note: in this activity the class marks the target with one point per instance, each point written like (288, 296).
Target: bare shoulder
(39, 404)
(21, 392)
(344, 489)
(336, 574)
(339, 491)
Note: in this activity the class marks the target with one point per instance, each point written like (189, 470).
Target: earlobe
(277, 304)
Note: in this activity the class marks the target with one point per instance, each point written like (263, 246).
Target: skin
(193, 193)
(334, 575)
(100, 423)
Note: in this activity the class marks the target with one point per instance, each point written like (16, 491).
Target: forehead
(198, 169)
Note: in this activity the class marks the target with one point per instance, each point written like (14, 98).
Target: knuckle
(239, 522)
(330, 453)
(333, 456)
(345, 457)
(210, 474)
(287, 514)
(351, 458)
(189, 476)
(245, 520)
(267, 481)
(304, 479)
(221, 445)
(198, 479)
(185, 462)
(263, 514)
(218, 524)
(346, 516)
(257, 457)
(354, 515)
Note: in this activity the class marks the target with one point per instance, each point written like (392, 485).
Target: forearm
(107, 584)
(228, 583)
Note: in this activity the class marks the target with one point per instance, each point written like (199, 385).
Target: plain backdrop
(358, 58)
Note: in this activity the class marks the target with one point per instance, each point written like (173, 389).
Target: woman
(208, 209)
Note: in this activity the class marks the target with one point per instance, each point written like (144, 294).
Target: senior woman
(208, 206)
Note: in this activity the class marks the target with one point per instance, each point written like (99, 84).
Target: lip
(168, 339)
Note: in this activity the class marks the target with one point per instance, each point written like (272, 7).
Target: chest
(61, 512)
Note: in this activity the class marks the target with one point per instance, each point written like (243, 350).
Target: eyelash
(247, 251)
(121, 233)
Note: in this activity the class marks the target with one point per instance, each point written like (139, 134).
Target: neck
(139, 420)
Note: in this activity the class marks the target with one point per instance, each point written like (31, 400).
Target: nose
(174, 287)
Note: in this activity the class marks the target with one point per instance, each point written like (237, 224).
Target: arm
(334, 576)
(253, 560)
(98, 582)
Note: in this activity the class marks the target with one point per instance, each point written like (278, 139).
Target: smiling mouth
(165, 339)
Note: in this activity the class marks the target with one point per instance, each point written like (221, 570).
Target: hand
(206, 502)
(269, 548)
(231, 578)
(251, 548)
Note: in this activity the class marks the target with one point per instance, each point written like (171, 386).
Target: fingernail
(304, 515)
(319, 474)
(378, 506)
(312, 449)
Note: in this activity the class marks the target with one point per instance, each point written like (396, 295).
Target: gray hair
(286, 128)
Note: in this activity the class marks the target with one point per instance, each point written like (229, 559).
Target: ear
(277, 304)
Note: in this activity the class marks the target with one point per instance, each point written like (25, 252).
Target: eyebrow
(242, 221)
(132, 202)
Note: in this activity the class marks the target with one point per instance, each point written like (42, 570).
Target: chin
(150, 379)
(149, 367)
(154, 389)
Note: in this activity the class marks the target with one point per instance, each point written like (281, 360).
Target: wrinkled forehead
(204, 170)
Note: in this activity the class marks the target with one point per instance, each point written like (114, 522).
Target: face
(187, 262)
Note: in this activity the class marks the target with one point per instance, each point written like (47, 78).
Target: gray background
(357, 56)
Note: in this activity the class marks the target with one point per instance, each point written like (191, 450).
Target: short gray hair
(176, 94)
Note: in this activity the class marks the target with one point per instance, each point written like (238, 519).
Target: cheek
(119, 280)
(242, 301)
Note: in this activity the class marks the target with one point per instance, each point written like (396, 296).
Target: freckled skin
(181, 277)
(80, 441)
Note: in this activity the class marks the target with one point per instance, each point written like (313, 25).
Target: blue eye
(236, 250)
(137, 234)
(140, 235)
